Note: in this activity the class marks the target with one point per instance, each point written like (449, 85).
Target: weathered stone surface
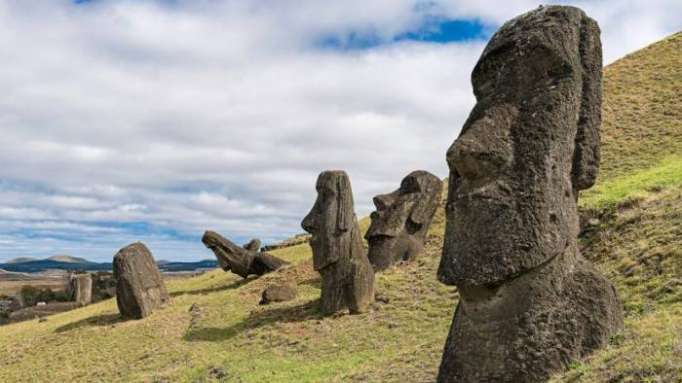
(338, 254)
(139, 285)
(402, 219)
(253, 245)
(239, 260)
(80, 288)
(530, 303)
(277, 293)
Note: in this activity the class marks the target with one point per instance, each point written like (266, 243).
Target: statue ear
(427, 205)
(344, 195)
(586, 154)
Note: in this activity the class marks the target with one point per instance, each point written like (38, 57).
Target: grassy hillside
(637, 242)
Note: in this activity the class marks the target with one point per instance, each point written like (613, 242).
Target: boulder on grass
(278, 293)
(139, 285)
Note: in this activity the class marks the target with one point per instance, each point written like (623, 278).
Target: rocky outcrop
(338, 253)
(139, 286)
(529, 302)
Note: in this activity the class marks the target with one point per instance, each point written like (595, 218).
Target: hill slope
(67, 259)
(636, 242)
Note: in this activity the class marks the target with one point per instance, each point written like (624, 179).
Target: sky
(126, 120)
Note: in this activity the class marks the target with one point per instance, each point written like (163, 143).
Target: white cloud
(191, 115)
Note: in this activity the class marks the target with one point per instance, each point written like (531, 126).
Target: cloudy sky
(155, 120)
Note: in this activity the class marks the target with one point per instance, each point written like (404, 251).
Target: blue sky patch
(433, 30)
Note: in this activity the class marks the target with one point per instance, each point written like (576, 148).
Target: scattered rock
(402, 219)
(277, 293)
(139, 285)
(527, 149)
(338, 253)
(217, 373)
(382, 298)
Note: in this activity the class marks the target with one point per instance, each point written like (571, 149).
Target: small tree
(30, 295)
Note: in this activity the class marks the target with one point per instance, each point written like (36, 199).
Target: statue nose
(482, 151)
(467, 159)
(309, 223)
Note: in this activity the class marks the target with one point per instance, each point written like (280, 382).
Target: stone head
(331, 219)
(226, 251)
(530, 144)
(402, 218)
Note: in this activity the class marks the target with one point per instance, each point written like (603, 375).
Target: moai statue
(529, 302)
(80, 288)
(239, 260)
(338, 254)
(139, 285)
(402, 219)
(253, 245)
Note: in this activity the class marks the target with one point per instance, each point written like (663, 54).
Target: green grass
(638, 245)
(636, 185)
(277, 343)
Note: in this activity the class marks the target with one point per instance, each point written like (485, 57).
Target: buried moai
(402, 219)
(139, 285)
(338, 254)
(80, 288)
(529, 302)
(239, 260)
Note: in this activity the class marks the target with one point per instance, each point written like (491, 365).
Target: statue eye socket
(410, 185)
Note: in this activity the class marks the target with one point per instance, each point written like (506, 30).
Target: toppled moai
(529, 302)
(239, 260)
(338, 253)
(402, 219)
(253, 245)
(80, 288)
(139, 286)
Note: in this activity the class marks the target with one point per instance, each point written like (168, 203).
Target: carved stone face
(528, 146)
(330, 219)
(402, 218)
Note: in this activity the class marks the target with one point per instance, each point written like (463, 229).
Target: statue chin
(381, 251)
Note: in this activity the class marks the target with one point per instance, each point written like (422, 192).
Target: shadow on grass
(231, 286)
(257, 319)
(97, 320)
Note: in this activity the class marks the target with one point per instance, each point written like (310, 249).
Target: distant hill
(41, 265)
(187, 266)
(21, 260)
(74, 263)
(68, 259)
